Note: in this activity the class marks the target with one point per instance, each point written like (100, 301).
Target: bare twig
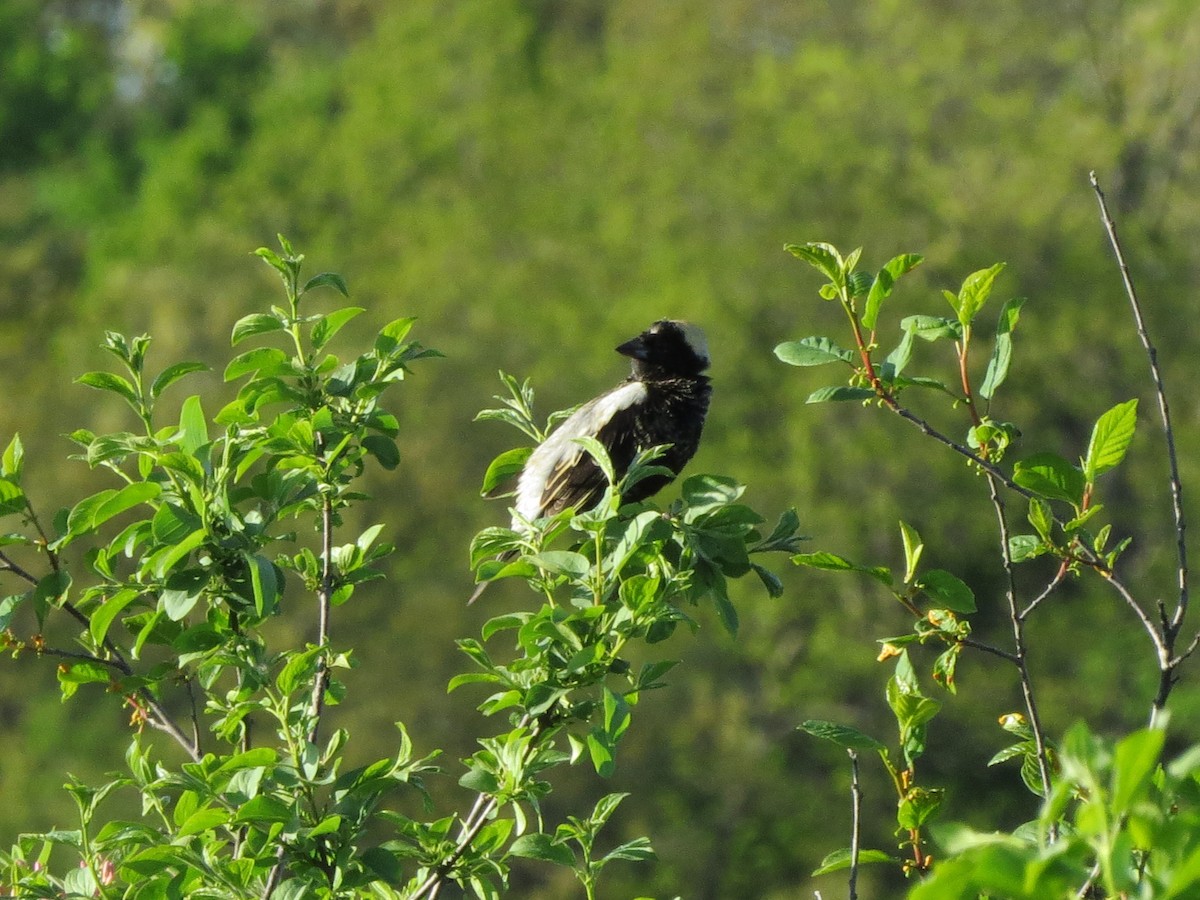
(855, 812)
(988, 648)
(1049, 589)
(7, 565)
(1171, 625)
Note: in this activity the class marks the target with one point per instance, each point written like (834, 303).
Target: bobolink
(663, 401)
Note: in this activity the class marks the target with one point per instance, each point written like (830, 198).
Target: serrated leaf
(811, 351)
(975, 290)
(932, 328)
(1111, 437)
(821, 256)
(1050, 476)
(843, 735)
(1023, 547)
(948, 590)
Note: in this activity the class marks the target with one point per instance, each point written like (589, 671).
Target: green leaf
(327, 326)
(917, 807)
(102, 617)
(12, 498)
(107, 381)
(843, 735)
(1052, 477)
(831, 562)
(1111, 437)
(842, 859)
(384, 449)
(172, 524)
(975, 290)
(193, 425)
(164, 560)
(932, 328)
(812, 351)
(264, 584)
(881, 287)
(839, 394)
(542, 847)
(264, 360)
(822, 257)
(1135, 759)
(327, 279)
(948, 590)
(1023, 547)
(203, 820)
(11, 463)
(997, 370)
(255, 323)
(913, 548)
(263, 808)
(637, 850)
(171, 374)
(707, 493)
(562, 562)
(503, 467)
(97, 509)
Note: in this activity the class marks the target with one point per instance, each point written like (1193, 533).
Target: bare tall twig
(1172, 623)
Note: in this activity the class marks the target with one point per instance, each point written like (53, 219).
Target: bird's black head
(668, 348)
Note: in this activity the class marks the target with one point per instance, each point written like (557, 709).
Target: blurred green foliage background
(539, 179)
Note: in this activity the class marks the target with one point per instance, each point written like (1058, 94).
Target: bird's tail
(482, 586)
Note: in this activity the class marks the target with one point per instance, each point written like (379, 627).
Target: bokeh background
(537, 180)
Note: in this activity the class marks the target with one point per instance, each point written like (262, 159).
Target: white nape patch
(695, 339)
(560, 449)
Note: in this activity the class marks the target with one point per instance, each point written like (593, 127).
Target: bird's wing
(561, 474)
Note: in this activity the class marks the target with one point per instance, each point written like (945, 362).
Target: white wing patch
(560, 450)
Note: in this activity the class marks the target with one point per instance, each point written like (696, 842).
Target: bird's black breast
(673, 412)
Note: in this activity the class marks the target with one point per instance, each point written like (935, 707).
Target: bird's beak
(635, 348)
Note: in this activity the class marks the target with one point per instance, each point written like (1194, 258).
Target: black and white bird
(663, 401)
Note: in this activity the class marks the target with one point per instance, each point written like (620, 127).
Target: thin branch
(7, 565)
(992, 470)
(324, 593)
(1161, 645)
(1046, 592)
(1164, 412)
(855, 813)
(988, 648)
(82, 657)
(1018, 629)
